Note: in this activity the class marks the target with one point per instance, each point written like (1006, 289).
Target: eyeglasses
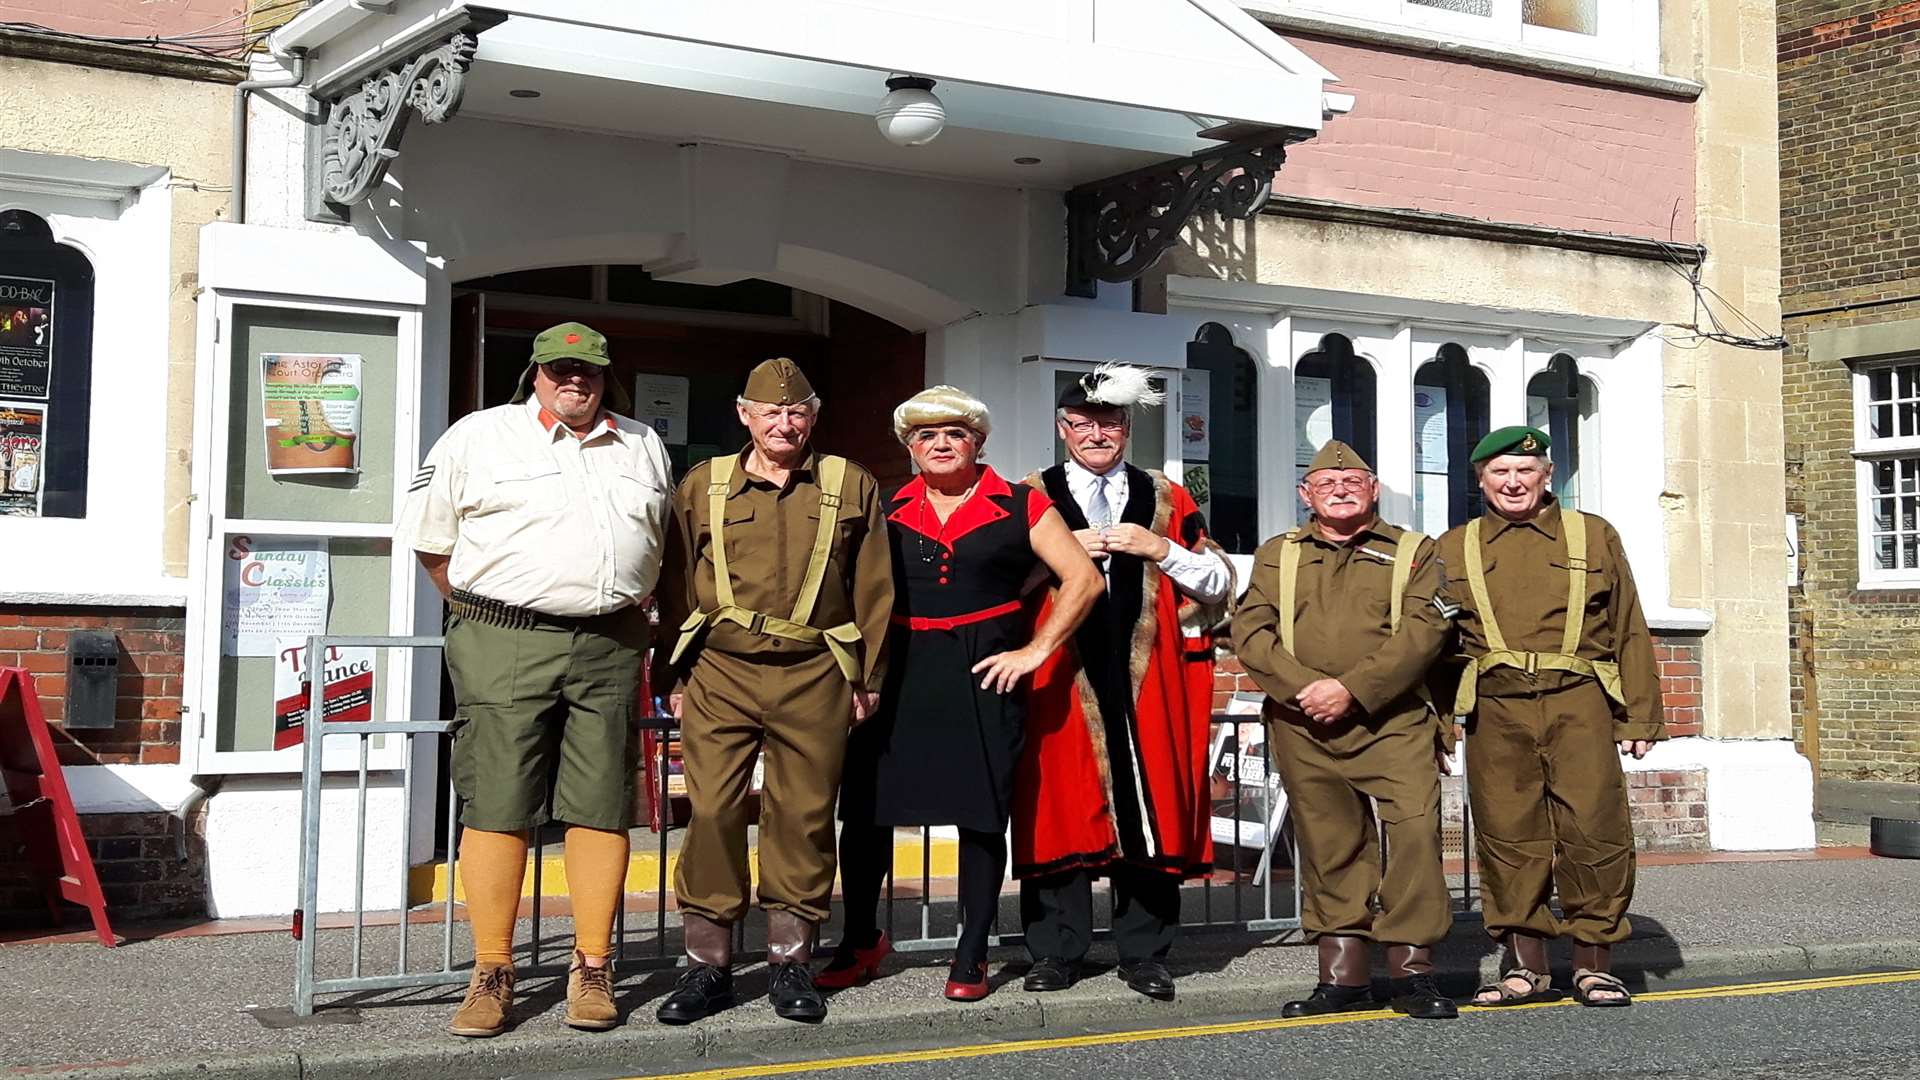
(1341, 483)
(1087, 427)
(923, 436)
(799, 414)
(567, 368)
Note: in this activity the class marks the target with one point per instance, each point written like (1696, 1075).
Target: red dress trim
(948, 622)
(916, 513)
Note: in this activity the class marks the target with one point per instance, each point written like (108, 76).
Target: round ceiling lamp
(910, 114)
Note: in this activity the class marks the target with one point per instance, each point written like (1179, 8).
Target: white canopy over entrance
(1090, 88)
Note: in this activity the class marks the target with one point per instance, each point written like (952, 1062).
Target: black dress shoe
(1328, 998)
(701, 992)
(794, 996)
(1148, 977)
(1048, 974)
(1416, 996)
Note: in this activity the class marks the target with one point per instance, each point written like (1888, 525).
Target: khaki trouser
(799, 710)
(1550, 813)
(1329, 775)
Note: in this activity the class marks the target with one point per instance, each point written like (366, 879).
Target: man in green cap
(1559, 683)
(778, 588)
(1340, 624)
(542, 522)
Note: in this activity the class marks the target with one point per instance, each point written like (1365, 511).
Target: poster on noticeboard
(26, 337)
(310, 405)
(23, 441)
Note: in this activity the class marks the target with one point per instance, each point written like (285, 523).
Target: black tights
(866, 852)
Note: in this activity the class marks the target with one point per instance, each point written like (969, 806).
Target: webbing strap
(1606, 672)
(1289, 577)
(719, 483)
(1576, 529)
(832, 471)
(1403, 555)
(840, 640)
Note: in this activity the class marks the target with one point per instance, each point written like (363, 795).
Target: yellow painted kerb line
(1244, 1027)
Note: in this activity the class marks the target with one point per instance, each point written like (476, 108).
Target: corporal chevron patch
(422, 478)
(1446, 608)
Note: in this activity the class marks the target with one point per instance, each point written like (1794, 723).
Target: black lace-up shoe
(701, 992)
(1416, 996)
(794, 996)
(1328, 998)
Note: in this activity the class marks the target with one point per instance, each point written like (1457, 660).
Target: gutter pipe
(296, 73)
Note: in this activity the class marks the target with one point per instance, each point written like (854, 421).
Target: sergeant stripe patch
(422, 478)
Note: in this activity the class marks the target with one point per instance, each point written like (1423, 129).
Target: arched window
(1222, 455)
(1562, 402)
(1334, 397)
(46, 370)
(1450, 408)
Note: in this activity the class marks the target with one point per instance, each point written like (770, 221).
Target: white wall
(115, 554)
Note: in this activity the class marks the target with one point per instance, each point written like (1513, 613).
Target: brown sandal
(1540, 988)
(1586, 981)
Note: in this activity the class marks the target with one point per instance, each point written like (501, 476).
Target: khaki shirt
(1342, 620)
(1526, 568)
(770, 532)
(538, 518)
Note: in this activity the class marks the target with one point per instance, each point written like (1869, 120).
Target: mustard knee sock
(492, 865)
(597, 875)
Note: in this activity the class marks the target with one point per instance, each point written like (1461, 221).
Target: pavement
(206, 1007)
(1857, 801)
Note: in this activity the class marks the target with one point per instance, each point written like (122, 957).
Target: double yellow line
(1244, 1027)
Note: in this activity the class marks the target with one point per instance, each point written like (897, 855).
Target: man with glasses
(542, 523)
(1113, 780)
(1340, 624)
(778, 588)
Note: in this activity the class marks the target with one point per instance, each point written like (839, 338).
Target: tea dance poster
(311, 411)
(23, 441)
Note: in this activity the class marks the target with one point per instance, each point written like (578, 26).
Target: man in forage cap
(1559, 683)
(1341, 622)
(777, 588)
(1113, 778)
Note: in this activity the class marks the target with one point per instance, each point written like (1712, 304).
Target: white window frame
(1629, 36)
(1867, 452)
(201, 697)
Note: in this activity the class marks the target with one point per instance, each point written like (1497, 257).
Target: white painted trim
(266, 262)
(125, 789)
(173, 599)
(1759, 791)
(1348, 306)
(1627, 48)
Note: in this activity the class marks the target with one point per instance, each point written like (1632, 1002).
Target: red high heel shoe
(860, 965)
(968, 989)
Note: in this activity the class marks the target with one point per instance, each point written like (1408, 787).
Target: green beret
(1518, 439)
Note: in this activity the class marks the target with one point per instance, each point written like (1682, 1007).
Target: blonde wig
(940, 405)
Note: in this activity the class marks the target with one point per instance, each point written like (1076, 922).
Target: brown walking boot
(590, 995)
(489, 996)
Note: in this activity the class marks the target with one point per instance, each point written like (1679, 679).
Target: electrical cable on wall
(1693, 334)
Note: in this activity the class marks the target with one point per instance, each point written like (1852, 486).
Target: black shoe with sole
(793, 994)
(1048, 974)
(701, 992)
(1149, 978)
(1328, 998)
(1416, 996)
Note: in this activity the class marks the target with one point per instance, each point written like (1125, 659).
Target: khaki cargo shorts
(546, 714)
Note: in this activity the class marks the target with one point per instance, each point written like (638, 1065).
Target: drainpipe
(297, 71)
(203, 786)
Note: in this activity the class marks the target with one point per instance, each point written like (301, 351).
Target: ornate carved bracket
(1119, 227)
(363, 127)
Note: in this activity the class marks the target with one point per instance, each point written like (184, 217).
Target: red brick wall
(1669, 809)
(137, 858)
(152, 641)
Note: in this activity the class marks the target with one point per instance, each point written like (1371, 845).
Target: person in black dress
(942, 746)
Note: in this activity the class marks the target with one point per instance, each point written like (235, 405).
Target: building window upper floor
(1886, 450)
(1615, 33)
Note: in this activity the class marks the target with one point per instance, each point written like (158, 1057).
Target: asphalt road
(1856, 1027)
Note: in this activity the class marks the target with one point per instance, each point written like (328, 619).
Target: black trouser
(1058, 914)
(866, 854)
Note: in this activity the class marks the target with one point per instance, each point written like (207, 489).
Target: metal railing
(1252, 902)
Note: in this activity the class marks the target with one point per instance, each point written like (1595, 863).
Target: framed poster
(347, 678)
(661, 403)
(310, 412)
(1196, 442)
(26, 337)
(23, 441)
(276, 587)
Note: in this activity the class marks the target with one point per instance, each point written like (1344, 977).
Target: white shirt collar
(1080, 481)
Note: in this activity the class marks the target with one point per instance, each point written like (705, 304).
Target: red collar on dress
(980, 509)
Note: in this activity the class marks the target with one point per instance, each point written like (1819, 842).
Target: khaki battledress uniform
(1548, 795)
(749, 688)
(1342, 627)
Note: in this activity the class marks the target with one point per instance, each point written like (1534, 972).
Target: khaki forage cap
(778, 382)
(1337, 455)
